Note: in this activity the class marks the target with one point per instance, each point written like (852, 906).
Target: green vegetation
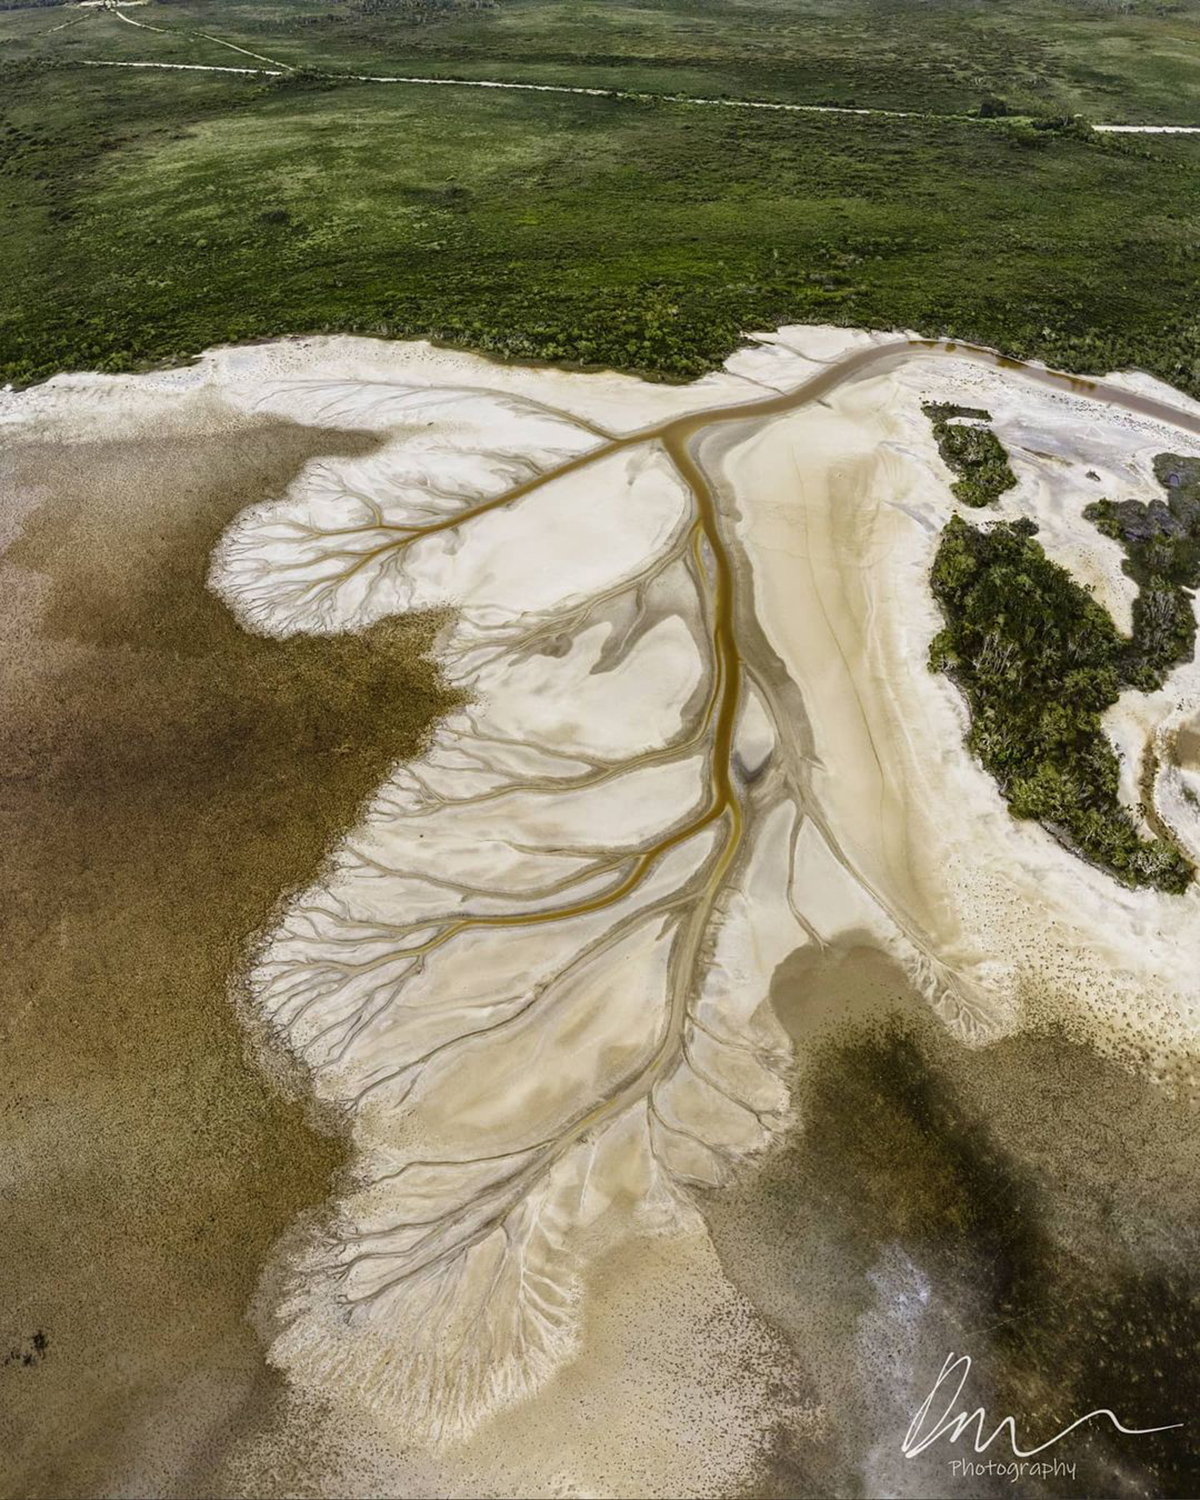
(972, 451)
(1044, 59)
(1162, 543)
(149, 215)
(1038, 659)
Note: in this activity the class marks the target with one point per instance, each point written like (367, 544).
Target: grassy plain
(1114, 59)
(150, 214)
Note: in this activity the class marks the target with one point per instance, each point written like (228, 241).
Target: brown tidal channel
(167, 777)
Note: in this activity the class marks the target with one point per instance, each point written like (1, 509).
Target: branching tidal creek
(535, 979)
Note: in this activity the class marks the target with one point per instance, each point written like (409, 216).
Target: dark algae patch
(1162, 547)
(972, 450)
(30, 1351)
(1031, 1205)
(168, 777)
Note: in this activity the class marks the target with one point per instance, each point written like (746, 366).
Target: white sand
(535, 977)
(841, 512)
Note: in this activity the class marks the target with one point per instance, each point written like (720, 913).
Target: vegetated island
(1038, 659)
(1162, 546)
(972, 450)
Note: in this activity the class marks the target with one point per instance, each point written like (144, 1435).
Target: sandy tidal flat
(692, 735)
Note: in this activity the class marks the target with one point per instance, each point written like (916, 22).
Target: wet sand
(168, 778)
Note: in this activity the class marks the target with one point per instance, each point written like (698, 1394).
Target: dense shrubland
(972, 451)
(1038, 660)
(145, 220)
(1162, 546)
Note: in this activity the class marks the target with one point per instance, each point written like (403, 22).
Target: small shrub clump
(972, 451)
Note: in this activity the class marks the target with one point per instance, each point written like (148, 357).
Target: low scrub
(1162, 547)
(1038, 660)
(972, 451)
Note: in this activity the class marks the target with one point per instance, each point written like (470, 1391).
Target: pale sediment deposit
(840, 510)
(694, 734)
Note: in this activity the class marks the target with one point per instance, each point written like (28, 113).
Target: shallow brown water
(167, 778)
(1187, 747)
